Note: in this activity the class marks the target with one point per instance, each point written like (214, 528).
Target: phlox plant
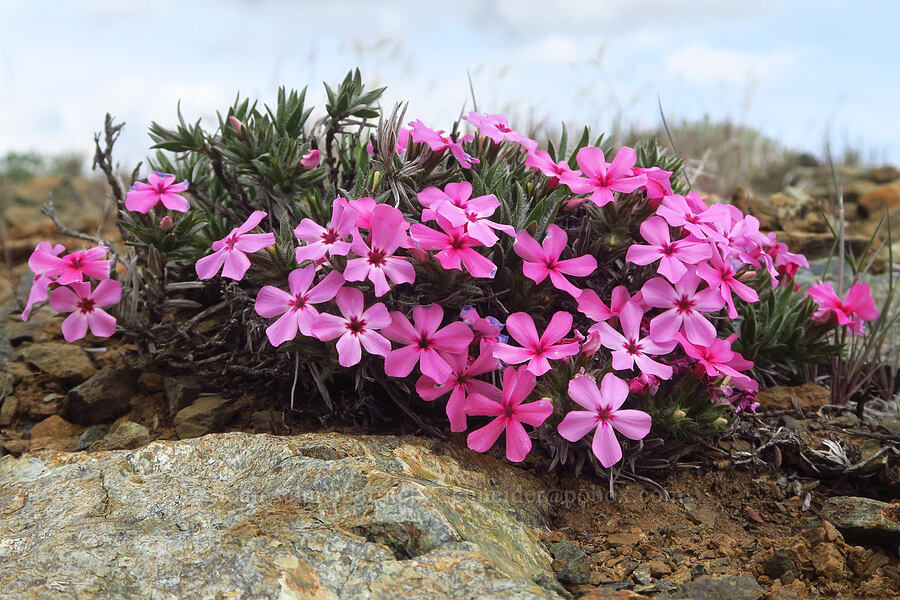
(574, 293)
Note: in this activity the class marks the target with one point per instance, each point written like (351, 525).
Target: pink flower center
(298, 302)
(503, 128)
(685, 304)
(230, 241)
(330, 236)
(633, 347)
(508, 410)
(668, 249)
(76, 261)
(424, 343)
(473, 217)
(86, 305)
(376, 257)
(160, 188)
(356, 325)
(457, 242)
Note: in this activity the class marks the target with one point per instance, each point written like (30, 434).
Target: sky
(802, 72)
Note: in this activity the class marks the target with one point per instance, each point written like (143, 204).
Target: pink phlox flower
(719, 273)
(672, 255)
(71, 267)
(460, 383)
(296, 308)
(311, 159)
(378, 262)
(455, 205)
(856, 307)
(591, 306)
(658, 183)
(326, 240)
(424, 343)
(86, 308)
(540, 160)
(685, 307)
(455, 248)
(603, 414)
(356, 328)
(678, 213)
(231, 251)
(438, 142)
(497, 128)
(538, 351)
(629, 349)
(236, 123)
(601, 178)
(364, 207)
(509, 414)
(41, 280)
(644, 384)
(486, 329)
(787, 263)
(159, 189)
(403, 139)
(696, 202)
(717, 359)
(542, 260)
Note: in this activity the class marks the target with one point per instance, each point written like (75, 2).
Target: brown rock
(205, 415)
(658, 569)
(608, 594)
(67, 362)
(809, 397)
(8, 410)
(54, 427)
(16, 446)
(828, 562)
(873, 203)
(624, 539)
(50, 404)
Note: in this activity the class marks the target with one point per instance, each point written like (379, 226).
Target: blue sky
(800, 71)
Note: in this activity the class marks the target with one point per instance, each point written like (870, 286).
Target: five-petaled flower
(424, 343)
(460, 384)
(438, 142)
(326, 240)
(685, 308)
(378, 263)
(86, 307)
(455, 248)
(356, 328)
(159, 189)
(631, 350)
(542, 260)
(509, 414)
(41, 281)
(603, 414)
(538, 351)
(601, 178)
(497, 128)
(672, 255)
(71, 267)
(296, 308)
(231, 251)
(854, 310)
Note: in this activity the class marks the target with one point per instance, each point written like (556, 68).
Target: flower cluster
(581, 339)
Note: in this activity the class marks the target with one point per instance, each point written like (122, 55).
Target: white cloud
(700, 63)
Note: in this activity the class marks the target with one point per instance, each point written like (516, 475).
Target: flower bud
(678, 415)
(591, 344)
(573, 203)
(419, 255)
(720, 423)
(311, 159)
(166, 223)
(236, 123)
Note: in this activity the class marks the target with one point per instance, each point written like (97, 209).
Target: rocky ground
(796, 502)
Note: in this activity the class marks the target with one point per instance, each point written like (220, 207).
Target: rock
(874, 202)
(266, 421)
(722, 588)
(603, 593)
(845, 420)
(205, 415)
(180, 392)
(67, 362)
(642, 576)
(126, 436)
(105, 396)
(810, 397)
(624, 539)
(258, 516)
(54, 433)
(34, 329)
(658, 569)
(828, 561)
(795, 210)
(891, 425)
(91, 435)
(884, 174)
(50, 404)
(777, 563)
(8, 410)
(574, 565)
(864, 519)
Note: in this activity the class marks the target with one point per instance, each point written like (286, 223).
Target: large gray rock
(67, 362)
(258, 516)
(863, 519)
